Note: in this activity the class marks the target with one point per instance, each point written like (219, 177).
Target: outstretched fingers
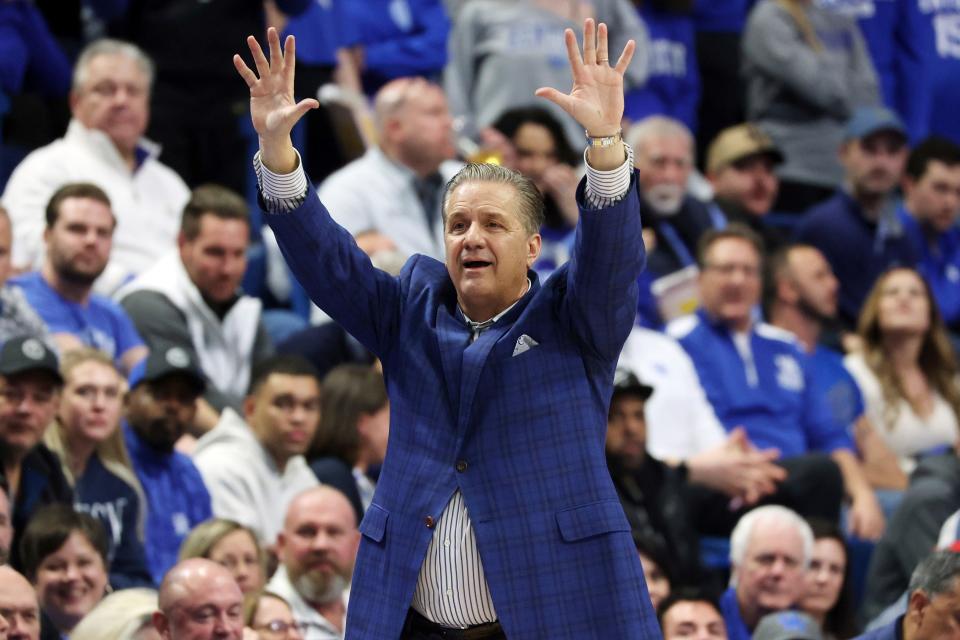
(603, 54)
(263, 67)
(289, 58)
(589, 41)
(626, 57)
(248, 76)
(276, 56)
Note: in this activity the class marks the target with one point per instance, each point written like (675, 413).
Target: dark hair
(931, 149)
(282, 364)
(5, 488)
(511, 120)
(214, 200)
(86, 190)
(775, 268)
(48, 530)
(734, 230)
(349, 391)
(840, 621)
(686, 594)
(656, 550)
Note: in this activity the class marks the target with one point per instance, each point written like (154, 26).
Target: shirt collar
(480, 326)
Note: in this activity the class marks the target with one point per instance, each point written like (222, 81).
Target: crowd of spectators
(188, 448)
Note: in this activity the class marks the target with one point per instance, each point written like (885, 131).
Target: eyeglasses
(281, 626)
(728, 269)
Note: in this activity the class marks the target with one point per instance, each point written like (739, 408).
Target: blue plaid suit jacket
(555, 544)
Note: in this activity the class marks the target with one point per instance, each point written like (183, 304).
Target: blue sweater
(177, 500)
(116, 505)
(673, 84)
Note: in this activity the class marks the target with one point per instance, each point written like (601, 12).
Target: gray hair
(936, 573)
(658, 127)
(111, 47)
(740, 538)
(529, 201)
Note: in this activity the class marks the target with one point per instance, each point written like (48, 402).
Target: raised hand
(273, 108)
(596, 100)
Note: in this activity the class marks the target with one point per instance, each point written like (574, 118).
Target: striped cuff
(606, 188)
(281, 192)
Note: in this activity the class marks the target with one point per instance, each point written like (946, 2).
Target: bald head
(325, 497)
(19, 604)
(199, 600)
(414, 124)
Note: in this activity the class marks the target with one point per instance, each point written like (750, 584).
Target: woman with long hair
(908, 375)
(86, 438)
(232, 545)
(828, 598)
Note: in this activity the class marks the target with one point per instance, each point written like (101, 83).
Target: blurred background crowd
(187, 443)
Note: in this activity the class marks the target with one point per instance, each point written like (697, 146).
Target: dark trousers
(419, 628)
(813, 488)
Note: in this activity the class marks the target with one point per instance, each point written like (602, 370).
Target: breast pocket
(594, 519)
(374, 523)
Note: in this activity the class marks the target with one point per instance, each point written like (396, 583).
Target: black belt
(488, 631)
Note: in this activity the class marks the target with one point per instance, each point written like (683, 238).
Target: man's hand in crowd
(737, 469)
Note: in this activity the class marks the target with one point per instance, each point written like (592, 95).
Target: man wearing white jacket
(253, 464)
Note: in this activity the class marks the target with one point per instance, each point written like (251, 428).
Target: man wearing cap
(740, 164)
(857, 230)
(933, 602)
(30, 386)
(160, 407)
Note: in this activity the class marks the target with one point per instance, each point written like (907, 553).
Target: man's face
(874, 164)
(284, 414)
(423, 127)
(216, 259)
(936, 617)
(488, 249)
(692, 619)
(28, 402)
(114, 99)
(18, 605)
(627, 429)
(730, 282)
(536, 152)
(813, 280)
(6, 245)
(935, 198)
(210, 609)
(771, 576)
(664, 164)
(749, 183)
(6, 527)
(160, 411)
(318, 544)
(79, 242)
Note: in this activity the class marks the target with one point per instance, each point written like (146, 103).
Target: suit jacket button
(461, 466)
(429, 521)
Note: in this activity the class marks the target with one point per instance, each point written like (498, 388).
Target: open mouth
(475, 264)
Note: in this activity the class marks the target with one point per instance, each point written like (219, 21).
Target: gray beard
(320, 591)
(664, 199)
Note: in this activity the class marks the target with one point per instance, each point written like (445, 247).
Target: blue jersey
(835, 387)
(765, 384)
(938, 260)
(673, 84)
(177, 500)
(944, 66)
(320, 31)
(101, 323)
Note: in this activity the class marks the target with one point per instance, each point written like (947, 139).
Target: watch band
(602, 142)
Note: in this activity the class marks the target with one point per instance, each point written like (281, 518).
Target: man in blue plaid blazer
(494, 515)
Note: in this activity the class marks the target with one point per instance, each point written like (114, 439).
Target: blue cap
(866, 121)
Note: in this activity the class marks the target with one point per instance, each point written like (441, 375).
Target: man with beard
(858, 230)
(161, 403)
(757, 377)
(30, 385)
(673, 221)
(199, 600)
(317, 549)
(78, 237)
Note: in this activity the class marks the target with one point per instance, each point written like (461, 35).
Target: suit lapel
(452, 337)
(474, 357)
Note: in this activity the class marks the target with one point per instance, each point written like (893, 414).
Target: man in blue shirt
(857, 229)
(931, 203)
(163, 392)
(78, 237)
(756, 376)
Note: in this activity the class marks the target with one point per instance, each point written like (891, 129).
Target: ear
(786, 291)
(46, 235)
(534, 244)
(907, 183)
(916, 607)
(161, 624)
(74, 98)
(249, 404)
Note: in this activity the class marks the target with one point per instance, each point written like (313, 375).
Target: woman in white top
(906, 369)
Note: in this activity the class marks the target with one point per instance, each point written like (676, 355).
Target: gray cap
(787, 625)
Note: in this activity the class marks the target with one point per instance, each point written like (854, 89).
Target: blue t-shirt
(177, 500)
(116, 505)
(101, 324)
(944, 66)
(835, 387)
(938, 263)
(769, 389)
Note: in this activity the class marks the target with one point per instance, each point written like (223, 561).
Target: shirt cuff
(281, 192)
(605, 188)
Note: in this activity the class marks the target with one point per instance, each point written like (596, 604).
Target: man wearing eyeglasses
(253, 464)
(30, 385)
(757, 377)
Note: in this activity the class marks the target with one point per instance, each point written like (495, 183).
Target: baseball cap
(165, 362)
(787, 625)
(738, 142)
(19, 355)
(866, 121)
(624, 381)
